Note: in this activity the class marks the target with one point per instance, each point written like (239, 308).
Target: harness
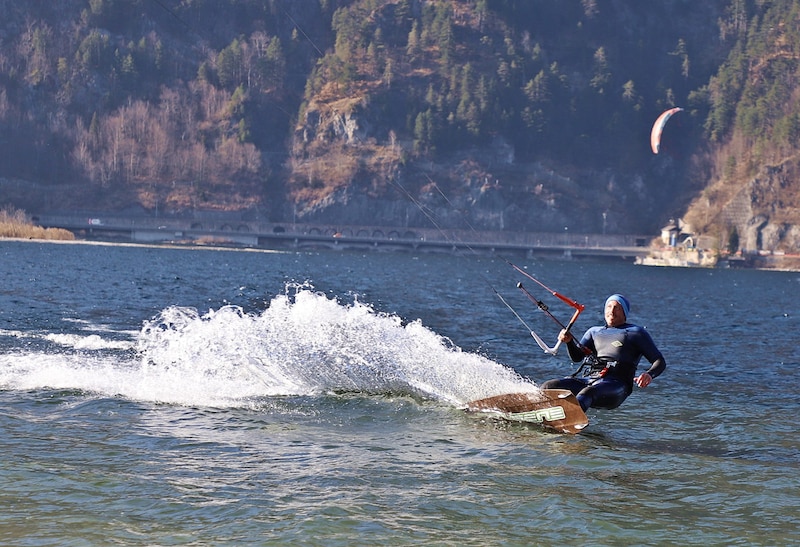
(593, 366)
(597, 367)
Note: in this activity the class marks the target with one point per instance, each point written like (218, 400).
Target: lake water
(162, 396)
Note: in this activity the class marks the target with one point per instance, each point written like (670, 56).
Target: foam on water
(90, 342)
(304, 343)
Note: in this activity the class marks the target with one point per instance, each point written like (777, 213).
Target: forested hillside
(752, 197)
(504, 114)
(532, 115)
(125, 102)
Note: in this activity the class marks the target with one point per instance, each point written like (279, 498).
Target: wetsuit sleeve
(575, 351)
(652, 354)
(657, 367)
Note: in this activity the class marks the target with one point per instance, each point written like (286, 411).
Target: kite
(658, 127)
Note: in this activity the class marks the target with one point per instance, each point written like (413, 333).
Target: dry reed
(16, 223)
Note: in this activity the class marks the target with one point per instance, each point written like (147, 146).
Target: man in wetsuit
(612, 353)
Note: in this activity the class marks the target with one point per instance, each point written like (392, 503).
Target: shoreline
(221, 246)
(167, 245)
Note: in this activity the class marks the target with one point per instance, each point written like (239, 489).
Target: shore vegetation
(15, 223)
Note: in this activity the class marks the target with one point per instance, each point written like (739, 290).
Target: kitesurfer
(611, 354)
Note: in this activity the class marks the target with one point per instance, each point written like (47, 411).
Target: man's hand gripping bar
(542, 306)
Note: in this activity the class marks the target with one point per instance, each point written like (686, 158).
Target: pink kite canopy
(658, 127)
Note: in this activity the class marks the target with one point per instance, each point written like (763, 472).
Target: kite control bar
(542, 306)
(569, 301)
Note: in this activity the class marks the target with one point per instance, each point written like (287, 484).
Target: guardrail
(297, 235)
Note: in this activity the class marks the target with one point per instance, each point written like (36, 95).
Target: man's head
(616, 310)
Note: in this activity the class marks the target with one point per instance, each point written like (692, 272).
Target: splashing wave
(304, 343)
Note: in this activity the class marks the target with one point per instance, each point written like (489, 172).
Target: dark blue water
(159, 396)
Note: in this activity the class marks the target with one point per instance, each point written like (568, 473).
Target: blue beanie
(626, 306)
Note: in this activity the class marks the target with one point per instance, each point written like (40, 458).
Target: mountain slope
(500, 114)
(752, 201)
(525, 115)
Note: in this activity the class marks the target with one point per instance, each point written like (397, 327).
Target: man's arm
(652, 354)
(657, 367)
(576, 352)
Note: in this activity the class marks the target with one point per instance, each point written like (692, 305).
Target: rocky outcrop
(343, 171)
(764, 211)
(337, 121)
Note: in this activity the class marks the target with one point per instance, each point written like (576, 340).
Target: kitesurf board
(556, 409)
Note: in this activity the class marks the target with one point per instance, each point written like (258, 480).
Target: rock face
(763, 212)
(326, 123)
(343, 170)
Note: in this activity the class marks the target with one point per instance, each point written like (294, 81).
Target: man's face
(614, 313)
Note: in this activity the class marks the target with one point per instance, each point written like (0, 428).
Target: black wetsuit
(618, 349)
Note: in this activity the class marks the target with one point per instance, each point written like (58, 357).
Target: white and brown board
(555, 409)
